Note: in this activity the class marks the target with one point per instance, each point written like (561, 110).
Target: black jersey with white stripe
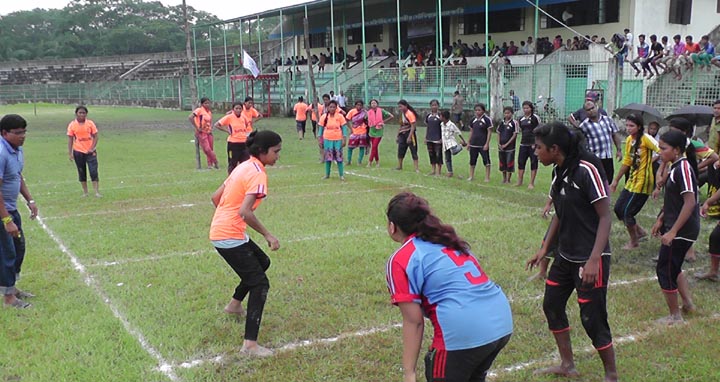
(434, 131)
(680, 181)
(527, 125)
(574, 208)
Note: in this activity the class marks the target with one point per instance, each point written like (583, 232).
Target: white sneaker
(257, 351)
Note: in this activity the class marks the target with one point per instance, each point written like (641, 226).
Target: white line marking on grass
(165, 367)
(122, 212)
(300, 344)
(366, 332)
(447, 190)
(630, 338)
(102, 263)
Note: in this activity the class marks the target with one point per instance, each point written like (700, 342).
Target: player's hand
(590, 272)
(668, 238)
(33, 210)
(546, 211)
(619, 155)
(704, 209)
(72, 159)
(486, 147)
(535, 260)
(409, 140)
(613, 187)
(655, 230)
(655, 193)
(343, 144)
(12, 229)
(273, 242)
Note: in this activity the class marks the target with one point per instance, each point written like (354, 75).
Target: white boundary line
(589, 349)
(120, 212)
(382, 329)
(448, 190)
(90, 281)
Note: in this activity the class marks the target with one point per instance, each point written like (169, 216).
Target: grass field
(130, 289)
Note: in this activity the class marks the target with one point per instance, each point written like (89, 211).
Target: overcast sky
(224, 9)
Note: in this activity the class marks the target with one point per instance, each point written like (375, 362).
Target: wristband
(30, 201)
(7, 219)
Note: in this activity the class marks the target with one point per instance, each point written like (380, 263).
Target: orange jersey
(248, 178)
(360, 129)
(203, 119)
(321, 108)
(238, 126)
(250, 115)
(301, 109)
(333, 126)
(82, 135)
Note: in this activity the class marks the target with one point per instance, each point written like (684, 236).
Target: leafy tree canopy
(96, 28)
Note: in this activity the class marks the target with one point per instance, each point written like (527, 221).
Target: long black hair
(259, 142)
(407, 105)
(678, 140)
(638, 121)
(557, 134)
(412, 215)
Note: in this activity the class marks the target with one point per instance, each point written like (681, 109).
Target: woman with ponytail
(581, 229)
(434, 274)
(406, 138)
(678, 224)
(639, 149)
(235, 202)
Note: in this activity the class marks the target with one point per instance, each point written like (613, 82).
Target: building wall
(602, 30)
(703, 19)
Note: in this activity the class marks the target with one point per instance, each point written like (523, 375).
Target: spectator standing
(458, 107)
(601, 133)
(12, 240)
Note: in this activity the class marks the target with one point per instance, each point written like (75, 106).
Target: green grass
(145, 246)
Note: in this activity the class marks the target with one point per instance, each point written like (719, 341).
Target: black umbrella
(698, 115)
(648, 113)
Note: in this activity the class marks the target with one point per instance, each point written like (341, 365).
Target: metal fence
(557, 88)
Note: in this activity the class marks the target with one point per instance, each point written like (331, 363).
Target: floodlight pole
(242, 54)
(535, 49)
(212, 71)
(439, 56)
(364, 53)
(197, 74)
(332, 36)
(313, 89)
(188, 56)
(260, 44)
(399, 55)
(227, 72)
(487, 53)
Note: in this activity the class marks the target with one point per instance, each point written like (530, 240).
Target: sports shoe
(19, 304)
(257, 351)
(23, 294)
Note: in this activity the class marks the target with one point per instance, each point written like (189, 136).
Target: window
(586, 12)
(680, 12)
(501, 21)
(318, 40)
(372, 34)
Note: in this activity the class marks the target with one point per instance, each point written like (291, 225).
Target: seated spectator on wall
(523, 48)
(512, 49)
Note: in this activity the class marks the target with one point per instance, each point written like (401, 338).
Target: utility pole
(188, 54)
(193, 88)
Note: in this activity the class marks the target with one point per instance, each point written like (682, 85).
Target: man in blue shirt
(12, 241)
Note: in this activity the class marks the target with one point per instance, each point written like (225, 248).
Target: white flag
(249, 64)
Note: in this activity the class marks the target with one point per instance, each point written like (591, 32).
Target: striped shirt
(680, 181)
(573, 201)
(599, 135)
(641, 179)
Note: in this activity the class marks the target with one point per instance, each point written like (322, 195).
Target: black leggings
(435, 152)
(466, 365)
(83, 159)
(564, 276)
(250, 263)
(237, 153)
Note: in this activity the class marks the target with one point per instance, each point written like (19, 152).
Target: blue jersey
(466, 308)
